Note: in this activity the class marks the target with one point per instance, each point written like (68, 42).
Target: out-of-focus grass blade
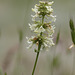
(71, 24)
(20, 35)
(56, 61)
(1, 72)
(72, 30)
(73, 36)
(5, 73)
(57, 38)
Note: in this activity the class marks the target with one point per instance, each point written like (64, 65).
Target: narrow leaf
(73, 36)
(57, 39)
(71, 24)
(20, 35)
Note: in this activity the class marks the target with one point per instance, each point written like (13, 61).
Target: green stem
(42, 19)
(39, 46)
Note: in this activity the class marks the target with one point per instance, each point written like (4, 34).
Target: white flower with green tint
(39, 30)
(49, 9)
(42, 10)
(48, 42)
(43, 29)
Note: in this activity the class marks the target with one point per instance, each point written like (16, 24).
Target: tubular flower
(44, 30)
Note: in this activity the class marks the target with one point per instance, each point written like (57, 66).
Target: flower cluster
(43, 9)
(42, 28)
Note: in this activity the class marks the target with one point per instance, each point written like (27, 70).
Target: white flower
(39, 30)
(41, 26)
(48, 42)
(53, 17)
(42, 2)
(29, 40)
(30, 46)
(35, 9)
(33, 26)
(33, 19)
(36, 29)
(34, 16)
(50, 3)
(49, 9)
(50, 30)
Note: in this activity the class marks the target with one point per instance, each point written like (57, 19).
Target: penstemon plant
(42, 27)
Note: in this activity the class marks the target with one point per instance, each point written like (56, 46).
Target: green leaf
(73, 36)
(57, 39)
(71, 24)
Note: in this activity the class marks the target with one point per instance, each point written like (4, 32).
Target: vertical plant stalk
(52, 69)
(73, 64)
(44, 40)
(39, 47)
(54, 54)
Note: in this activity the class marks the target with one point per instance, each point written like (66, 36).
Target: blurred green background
(15, 58)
